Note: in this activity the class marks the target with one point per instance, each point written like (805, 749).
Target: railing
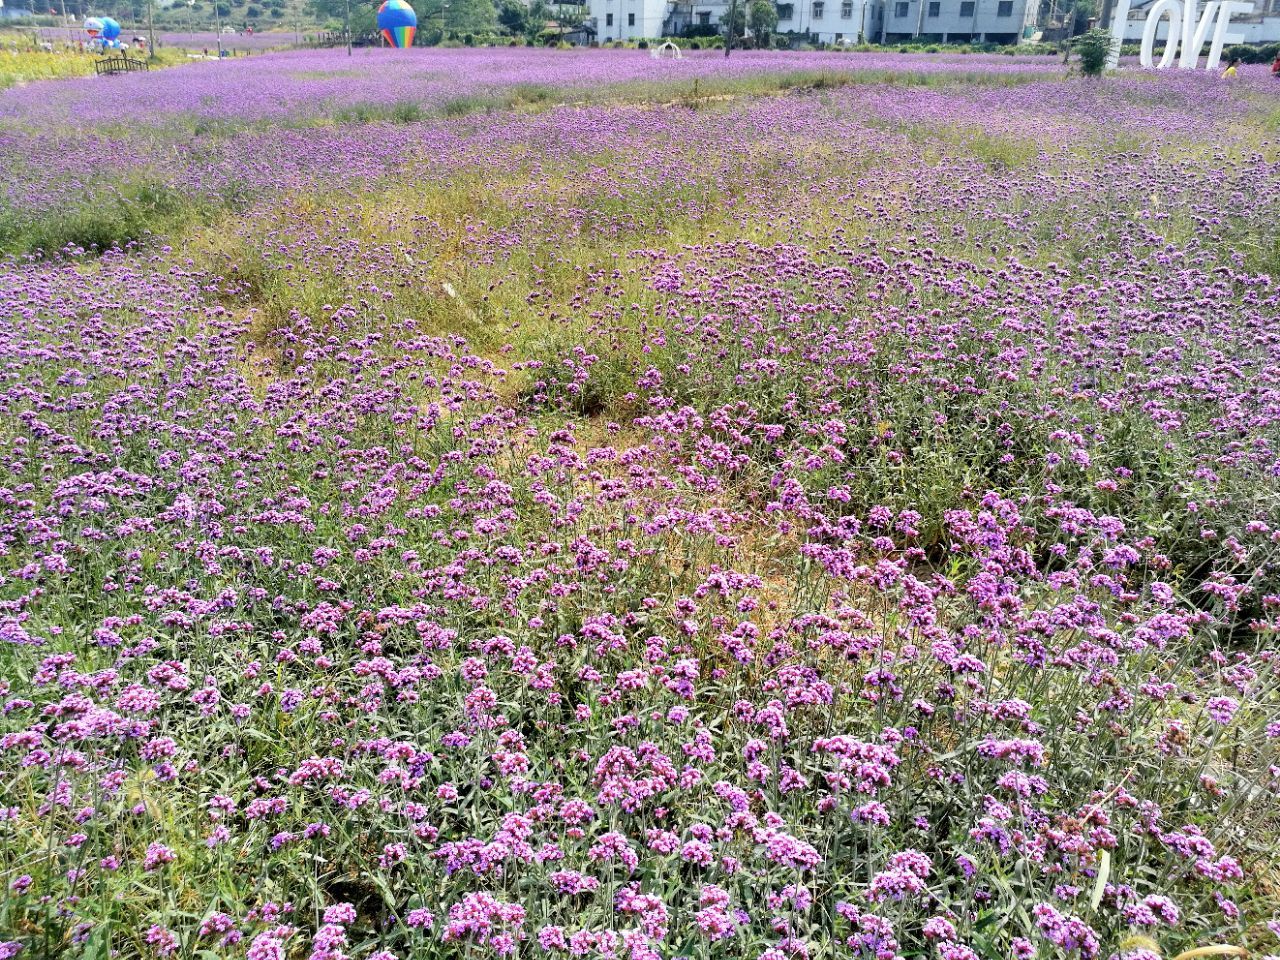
(339, 39)
(108, 66)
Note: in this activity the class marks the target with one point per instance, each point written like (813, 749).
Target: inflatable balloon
(110, 29)
(93, 26)
(398, 23)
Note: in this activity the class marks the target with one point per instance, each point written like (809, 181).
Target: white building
(683, 14)
(1261, 26)
(829, 21)
(833, 21)
(627, 19)
(958, 21)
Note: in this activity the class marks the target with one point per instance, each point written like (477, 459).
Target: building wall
(979, 20)
(1256, 28)
(712, 12)
(631, 19)
(833, 20)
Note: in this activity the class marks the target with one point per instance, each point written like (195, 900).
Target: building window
(935, 8)
(608, 19)
(846, 10)
(901, 8)
(1005, 9)
(784, 11)
(966, 8)
(704, 18)
(631, 19)
(818, 7)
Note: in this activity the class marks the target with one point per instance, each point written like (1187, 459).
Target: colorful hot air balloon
(110, 29)
(93, 27)
(398, 23)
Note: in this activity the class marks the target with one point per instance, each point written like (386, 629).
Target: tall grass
(28, 66)
(133, 211)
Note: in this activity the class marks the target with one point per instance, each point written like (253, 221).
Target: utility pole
(733, 27)
(151, 31)
(346, 25)
(217, 16)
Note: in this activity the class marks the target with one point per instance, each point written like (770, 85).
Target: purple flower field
(548, 504)
(300, 84)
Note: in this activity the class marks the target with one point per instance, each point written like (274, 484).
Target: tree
(470, 16)
(363, 14)
(459, 16)
(734, 21)
(522, 19)
(1074, 14)
(761, 14)
(763, 17)
(513, 16)
(456, 16)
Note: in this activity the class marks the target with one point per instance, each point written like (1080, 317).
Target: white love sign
(1188, 30)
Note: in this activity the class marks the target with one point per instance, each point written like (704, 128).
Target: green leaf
(98, 946)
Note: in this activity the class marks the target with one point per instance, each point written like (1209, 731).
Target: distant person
(1275, 67)
(1230, 72)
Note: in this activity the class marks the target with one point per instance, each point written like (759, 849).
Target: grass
(418, 232)
(134, 211)
(17, 67)
(940, 142)
(706, 90)
(404, 111)
(26, 66)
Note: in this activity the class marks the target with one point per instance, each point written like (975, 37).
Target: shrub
(408, 111)
(1093, 48)
(1251, 53)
